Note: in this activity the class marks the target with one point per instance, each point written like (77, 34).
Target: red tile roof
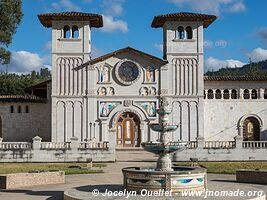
(46, 19)
(159, 20)
(235, 78)
(22, 98)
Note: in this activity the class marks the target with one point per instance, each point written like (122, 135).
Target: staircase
(134, 155)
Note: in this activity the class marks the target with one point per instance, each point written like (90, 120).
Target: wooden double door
(128, 130)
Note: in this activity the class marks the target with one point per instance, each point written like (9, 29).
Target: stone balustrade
(73, 151)
(255, 144)
(15, 145)
(220, 145)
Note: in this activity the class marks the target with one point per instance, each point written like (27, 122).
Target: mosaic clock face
(128, 72)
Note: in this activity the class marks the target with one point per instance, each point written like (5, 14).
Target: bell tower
(71, 47)
(183, 48)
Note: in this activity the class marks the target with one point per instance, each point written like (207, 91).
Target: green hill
(252, 69)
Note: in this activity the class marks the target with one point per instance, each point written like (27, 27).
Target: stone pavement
(112, 179)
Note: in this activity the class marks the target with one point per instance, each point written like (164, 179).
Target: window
(254, 94)
(265, 94)
(218, 94)
(66, 31)
(246, 94)
(27, 109)
(234, 94)
(181, 33)
(11, 109)
(205, 94)
(226, 94)
(189, 33)
(19, 109)
(75, 32)
(210, 94)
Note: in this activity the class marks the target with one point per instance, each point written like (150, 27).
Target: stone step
(134, 155)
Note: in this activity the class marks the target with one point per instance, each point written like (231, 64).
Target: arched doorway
(128, 130)
(251, 129)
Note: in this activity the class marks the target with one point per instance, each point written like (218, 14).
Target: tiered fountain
(165, 176)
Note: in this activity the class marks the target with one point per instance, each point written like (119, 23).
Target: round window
(127, 72)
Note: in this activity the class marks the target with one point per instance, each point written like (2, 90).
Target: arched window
(11, 109)
(265, 94)
(234, 94)
(19, 109)
(181, 35)
(210, 94)
(27, 109)
(218, 94)
(246, 94)
(66, 31)
(189, 33)
(254, 94)
(226, 94)
(75, 32)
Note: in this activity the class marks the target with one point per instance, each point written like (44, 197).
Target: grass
(227, 167)
(11, 168)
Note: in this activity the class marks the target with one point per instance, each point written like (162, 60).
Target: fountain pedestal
(164, 176)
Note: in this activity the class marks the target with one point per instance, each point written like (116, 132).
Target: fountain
(165, 176)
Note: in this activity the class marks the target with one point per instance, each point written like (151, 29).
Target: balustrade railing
(255, 144)
(192, 145)
(220, 145)
(55, 145)
(15, 145)
(94, 145)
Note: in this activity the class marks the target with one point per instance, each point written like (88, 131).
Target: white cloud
(25, 62)
(112, 25)
(216, 64)
(159, 47)
(113, 7)
(67, 5)
(212, 6)
(258, 54)
(263, 34)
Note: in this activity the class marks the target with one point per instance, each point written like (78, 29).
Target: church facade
(114, 97)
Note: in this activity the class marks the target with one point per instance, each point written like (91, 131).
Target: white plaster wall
(24, 126)
(221, 117)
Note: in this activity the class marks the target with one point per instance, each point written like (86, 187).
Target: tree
(10, 17)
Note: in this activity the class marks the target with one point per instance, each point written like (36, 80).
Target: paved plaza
(84, 184)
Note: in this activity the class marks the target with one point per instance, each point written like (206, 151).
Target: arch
(210, 94)
(218, 94)
(181, 35)
(121, 109)
(254, 94)
(27, 109)
(234, 94)
(251, 121)
(11, 109)
(226, 94)
(66, 31)
(246, 94)
(265, 94)
(128, 133)
(75, 31)
(1, 130)
(189, 33)
(19, 109)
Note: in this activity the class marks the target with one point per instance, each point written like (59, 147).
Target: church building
(114, 97)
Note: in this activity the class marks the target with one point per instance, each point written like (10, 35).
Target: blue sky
(238, 34)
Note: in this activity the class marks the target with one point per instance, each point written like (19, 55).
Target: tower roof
(95, 20)
(159, 20)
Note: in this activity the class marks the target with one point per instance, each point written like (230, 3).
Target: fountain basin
(161, 128)
(179, 180)
(159, 148)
